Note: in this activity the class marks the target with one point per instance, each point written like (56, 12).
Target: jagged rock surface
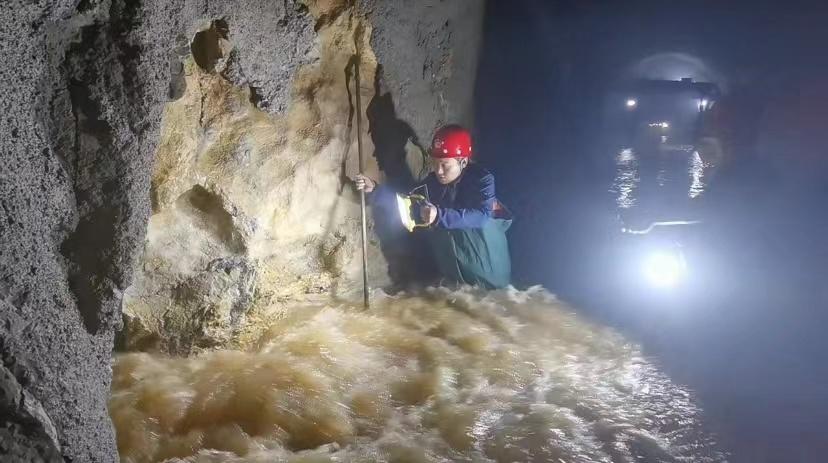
(244, 176)
(250, 207)
(84, 88)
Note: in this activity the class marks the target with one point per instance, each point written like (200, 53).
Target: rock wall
(250, 207)
(82, 96)
(231, 191)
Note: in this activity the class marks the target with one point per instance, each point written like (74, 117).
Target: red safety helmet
(451, 141)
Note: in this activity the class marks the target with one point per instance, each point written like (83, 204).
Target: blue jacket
(468, 202)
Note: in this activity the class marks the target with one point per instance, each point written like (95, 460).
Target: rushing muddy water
(442, 376)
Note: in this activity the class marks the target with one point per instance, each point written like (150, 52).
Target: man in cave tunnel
(465, 222)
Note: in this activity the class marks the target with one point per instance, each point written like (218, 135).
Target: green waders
(474, 256)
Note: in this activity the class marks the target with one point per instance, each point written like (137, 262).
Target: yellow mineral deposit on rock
(252, 209)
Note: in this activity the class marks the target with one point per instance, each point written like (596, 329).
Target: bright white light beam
(664, 269)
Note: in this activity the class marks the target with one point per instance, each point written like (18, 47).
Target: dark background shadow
(408, 256)
(748, 339)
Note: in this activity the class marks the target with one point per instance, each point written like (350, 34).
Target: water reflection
(626, 178)
(696, 170)
(653, 175)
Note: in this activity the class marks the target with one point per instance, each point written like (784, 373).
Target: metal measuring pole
(361, 168)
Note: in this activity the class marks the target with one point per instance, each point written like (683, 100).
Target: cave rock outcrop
(244, 184)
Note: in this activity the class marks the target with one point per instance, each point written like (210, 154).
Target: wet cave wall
(182, 161)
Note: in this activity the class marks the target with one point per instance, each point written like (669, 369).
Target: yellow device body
(405, 207)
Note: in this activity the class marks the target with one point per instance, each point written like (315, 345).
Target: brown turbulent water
(441, 376)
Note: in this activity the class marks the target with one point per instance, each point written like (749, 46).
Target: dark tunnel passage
(743, 333)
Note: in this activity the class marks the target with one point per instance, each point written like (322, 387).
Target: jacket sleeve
(381, 194)
(474, 217)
